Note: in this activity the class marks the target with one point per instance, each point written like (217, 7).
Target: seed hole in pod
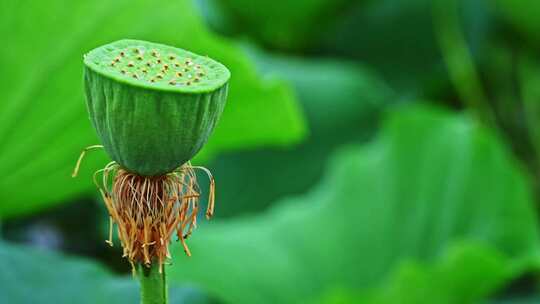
(122, 71)
(200, 74)
(188, 83)
(165, 66)
(130, 64)
(152, 80)
(159, 76)
(155, 53)
(177, 64)
(196, 79)
(112, 63)
(117, 59)
(139, 57)
(172, 82)
(186, 70)
(144, 71)
(135, 76)
(171, 57)
(149, 64)
(122, 54)
(179, 74)
(158, 61)
(136, 50)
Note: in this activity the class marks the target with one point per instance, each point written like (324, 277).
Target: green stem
(153, 284)
(458, 59)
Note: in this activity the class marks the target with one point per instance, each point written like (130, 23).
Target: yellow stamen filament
(148, 210)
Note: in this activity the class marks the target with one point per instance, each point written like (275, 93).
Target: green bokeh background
(378, 152)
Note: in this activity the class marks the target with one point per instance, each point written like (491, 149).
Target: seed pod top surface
(153, 106)
(154, 66)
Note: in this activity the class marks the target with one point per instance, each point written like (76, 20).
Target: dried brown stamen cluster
(148, 211)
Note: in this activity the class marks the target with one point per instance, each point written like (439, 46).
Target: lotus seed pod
(153, 106)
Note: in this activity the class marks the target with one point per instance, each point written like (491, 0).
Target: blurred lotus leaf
(288, 25)
(43, 120)
(465, 274)
(430, 181)
(342, 101)
(521, 15)
(30, 276)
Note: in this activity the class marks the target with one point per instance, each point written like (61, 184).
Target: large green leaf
(430, 180)
(43, 120)
(399, 38)
(521, 15)
(33, 276)
(292, 25)
(464, 275)
(342, 101)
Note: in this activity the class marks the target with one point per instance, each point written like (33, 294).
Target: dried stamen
(148, 211)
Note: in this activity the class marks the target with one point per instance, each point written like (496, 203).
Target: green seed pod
(153, 106)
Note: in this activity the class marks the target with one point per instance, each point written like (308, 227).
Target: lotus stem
(153, 282)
